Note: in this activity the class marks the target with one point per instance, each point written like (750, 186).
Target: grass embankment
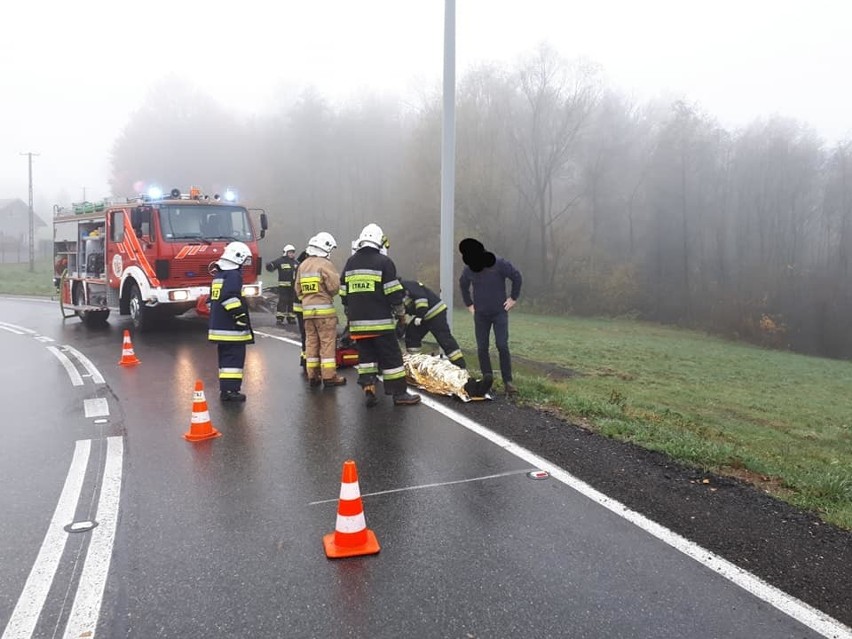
(16, 279)
(779, 420)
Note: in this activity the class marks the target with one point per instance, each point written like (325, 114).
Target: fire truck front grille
(190, 271)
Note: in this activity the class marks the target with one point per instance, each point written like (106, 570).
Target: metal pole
(448, 159)
(31, 223)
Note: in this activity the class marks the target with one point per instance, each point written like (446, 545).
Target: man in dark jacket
(230, 326)
(486, 274)
(430, 316)
(372, 297)
(286, 266)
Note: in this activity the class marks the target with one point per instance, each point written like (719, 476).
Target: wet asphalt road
(224, 537)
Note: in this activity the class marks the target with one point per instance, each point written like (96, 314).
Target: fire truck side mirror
(264, 225)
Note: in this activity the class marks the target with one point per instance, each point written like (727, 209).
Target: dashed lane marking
(97, 407)
(97, 378)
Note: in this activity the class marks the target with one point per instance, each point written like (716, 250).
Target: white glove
(417, 321)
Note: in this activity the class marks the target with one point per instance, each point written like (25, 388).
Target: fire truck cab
(148, 257)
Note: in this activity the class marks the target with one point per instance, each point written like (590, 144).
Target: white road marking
(25, 616)
(83, 620)
(76, 380)
(97, 378)
(96, 407)
(15, 327)
(798, 610)
(9, 329)
(435, 485)
(43, 338)
(294, 342)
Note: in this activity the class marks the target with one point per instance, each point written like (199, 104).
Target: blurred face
(291, 254)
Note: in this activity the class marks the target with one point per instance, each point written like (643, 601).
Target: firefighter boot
(337, 380)
(370, 392)
(232, 396)
(406, 399)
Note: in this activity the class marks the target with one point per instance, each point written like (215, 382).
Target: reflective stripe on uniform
(230, 373)
(393, 373)
(222, 335)
(363, 326)
(392, 287)
(432, 312)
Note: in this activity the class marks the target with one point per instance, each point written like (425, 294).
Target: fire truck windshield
(205, 223)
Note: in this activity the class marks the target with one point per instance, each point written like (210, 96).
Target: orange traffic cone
(128, 357)
(351, 537)
(200, 427)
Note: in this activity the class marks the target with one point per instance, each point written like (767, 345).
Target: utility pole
(31, 225)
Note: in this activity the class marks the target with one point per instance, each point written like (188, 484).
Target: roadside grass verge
(16, 279)
(776, 419)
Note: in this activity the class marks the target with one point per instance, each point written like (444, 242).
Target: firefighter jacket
(229, 316)
(421, 301)
(286, 267)
(317, 282)
(371, 293)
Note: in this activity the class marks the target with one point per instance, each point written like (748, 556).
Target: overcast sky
(71, 72)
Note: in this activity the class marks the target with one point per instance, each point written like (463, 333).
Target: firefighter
(230, 325)
(429, 316)
(300, 321)
(286, 266)
(317, 282)
(372, 297)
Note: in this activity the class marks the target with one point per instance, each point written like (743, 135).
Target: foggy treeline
(608, 207)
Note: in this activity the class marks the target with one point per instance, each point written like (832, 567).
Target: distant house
(15, 229)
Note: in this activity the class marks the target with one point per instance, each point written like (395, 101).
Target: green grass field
(16, 279)
(779, 420)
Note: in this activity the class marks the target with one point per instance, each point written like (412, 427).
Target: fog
(643, 159)
(72, 73)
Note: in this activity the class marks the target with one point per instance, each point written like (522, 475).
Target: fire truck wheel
(142, 317)
(89, 318)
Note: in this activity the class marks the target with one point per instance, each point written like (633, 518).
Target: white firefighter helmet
(321, 244)
(288, 248)
(234, 256)
(372, 235)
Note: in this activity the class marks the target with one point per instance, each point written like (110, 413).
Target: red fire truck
(148, 257)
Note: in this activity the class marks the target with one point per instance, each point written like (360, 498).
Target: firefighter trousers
(286, 297)
(321, 347)
(381, 354)
(440, 330)
(232, 359)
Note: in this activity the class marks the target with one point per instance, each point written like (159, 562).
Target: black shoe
(279, 321)
(232, 396)
(314, 381)
(337, 380)
(370, 392)
(291, 320)
(406, 399)
(511, 389)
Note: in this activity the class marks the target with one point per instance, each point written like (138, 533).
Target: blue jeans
(482, 323)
